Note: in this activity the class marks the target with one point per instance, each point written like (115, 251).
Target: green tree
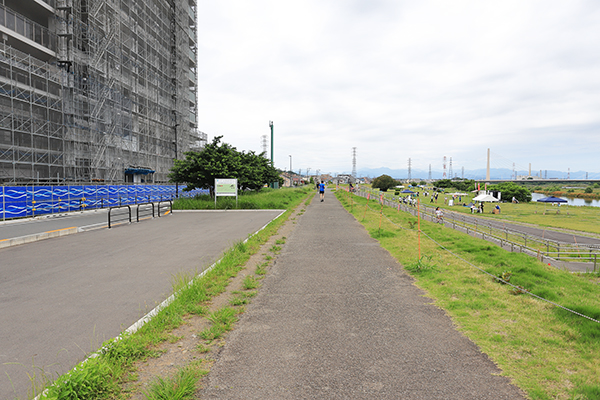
(256, 171)
(443, 183)
(589, 190)
(510, 190)
(221, 160)
(384, 182)
(461, 185)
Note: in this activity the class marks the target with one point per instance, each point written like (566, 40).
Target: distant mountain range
(477, 174)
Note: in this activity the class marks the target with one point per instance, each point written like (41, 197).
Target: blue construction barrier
(29, 201)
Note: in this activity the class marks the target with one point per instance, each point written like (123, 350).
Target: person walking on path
(322, 190)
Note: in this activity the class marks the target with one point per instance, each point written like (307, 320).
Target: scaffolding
(119, 94)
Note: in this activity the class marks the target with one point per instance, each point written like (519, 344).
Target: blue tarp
(552, 199)
(139, 171)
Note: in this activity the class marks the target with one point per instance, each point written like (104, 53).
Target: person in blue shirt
(322, 190)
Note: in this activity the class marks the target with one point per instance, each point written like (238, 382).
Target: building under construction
(96, 90)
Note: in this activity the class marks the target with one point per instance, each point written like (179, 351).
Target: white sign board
(226, 187)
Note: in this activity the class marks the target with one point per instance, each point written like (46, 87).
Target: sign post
(226, 187)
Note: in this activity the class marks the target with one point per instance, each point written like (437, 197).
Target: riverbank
(566, 193)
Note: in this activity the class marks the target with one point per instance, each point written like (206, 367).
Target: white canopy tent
(485, 198)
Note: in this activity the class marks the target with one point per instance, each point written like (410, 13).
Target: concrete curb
(38, 236)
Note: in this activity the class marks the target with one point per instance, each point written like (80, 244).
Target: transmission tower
(409, 176)
(430, 172)
(354, 162)
(450, 169)
(263, 143)
(444, 176)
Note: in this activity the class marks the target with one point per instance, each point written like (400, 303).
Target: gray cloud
(404, 79)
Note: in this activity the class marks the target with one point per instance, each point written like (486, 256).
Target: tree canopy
(221, 160)
(384, 182)
(510, 190)
(462, 185)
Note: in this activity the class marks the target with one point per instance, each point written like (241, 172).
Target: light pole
(290, 163)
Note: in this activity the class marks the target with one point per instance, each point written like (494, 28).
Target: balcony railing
(25, 27)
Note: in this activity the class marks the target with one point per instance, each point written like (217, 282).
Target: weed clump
(421, 265)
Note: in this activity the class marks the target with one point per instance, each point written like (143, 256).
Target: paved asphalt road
(23, 227)
(61, 298)
(337, 318)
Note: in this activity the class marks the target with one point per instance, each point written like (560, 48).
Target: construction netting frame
(31, 201)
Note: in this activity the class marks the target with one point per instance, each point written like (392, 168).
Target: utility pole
(271, 126)
(444, 176)
(354, 162)
(263, 143)
(487, 171)
(274, 185)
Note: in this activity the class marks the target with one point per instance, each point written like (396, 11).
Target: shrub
(384, 182)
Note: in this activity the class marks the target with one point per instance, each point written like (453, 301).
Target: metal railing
(147, 211)
(121, 214)
(27, 28)
(120, 217)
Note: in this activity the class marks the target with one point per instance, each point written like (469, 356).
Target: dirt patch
(186, 346)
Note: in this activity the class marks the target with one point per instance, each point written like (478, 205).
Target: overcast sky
(404, 79)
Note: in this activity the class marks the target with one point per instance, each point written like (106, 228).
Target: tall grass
(181, 386)
(545, 350)
(265, 199)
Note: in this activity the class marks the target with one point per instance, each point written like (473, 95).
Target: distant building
(292, 179)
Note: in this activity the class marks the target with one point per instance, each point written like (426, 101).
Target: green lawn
(549, 352)
(584, 219)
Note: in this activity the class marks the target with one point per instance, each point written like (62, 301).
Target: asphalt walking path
(337, 318)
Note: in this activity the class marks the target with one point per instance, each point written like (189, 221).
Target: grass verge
(104, 375)
(548, 352)
(181, 386)
(266, 199)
